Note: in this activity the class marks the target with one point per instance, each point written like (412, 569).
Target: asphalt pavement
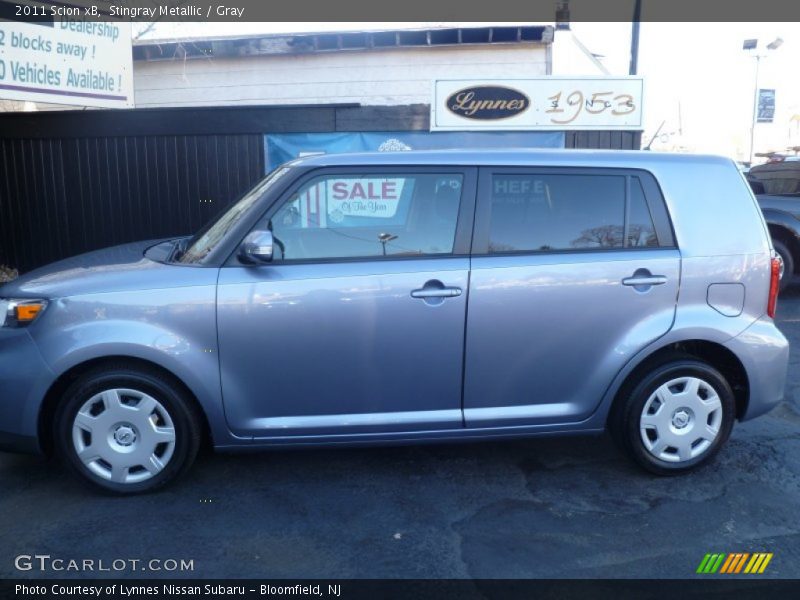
(566, 507)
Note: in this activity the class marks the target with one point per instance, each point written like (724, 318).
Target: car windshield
(776, 178)
(210, 236)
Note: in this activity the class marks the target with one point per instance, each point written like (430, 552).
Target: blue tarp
(286, 146)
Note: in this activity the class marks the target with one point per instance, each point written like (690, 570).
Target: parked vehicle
(777, 188)
(409, 297)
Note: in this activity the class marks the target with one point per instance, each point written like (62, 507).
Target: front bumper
(24, 380)
(764, 352)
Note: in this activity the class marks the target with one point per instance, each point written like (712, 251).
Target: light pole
(752, 44)
(637, 16)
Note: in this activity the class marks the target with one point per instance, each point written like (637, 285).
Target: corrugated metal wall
(64, 196)
(615, 140)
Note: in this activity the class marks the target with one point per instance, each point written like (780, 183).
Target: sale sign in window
(378, 197)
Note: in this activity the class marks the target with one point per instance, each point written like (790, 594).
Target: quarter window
(641, 231)
(551, 212)
(375, 215)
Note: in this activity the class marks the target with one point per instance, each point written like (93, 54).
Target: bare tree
(607, 236)
(610, 236)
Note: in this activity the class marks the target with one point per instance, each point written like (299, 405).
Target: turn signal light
(25, 313)
(19, 313)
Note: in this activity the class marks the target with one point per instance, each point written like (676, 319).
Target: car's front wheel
(126, 430)
(675, 417)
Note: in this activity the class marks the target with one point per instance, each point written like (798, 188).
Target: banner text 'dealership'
(91, 28)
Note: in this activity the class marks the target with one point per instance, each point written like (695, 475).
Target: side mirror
(257, 247)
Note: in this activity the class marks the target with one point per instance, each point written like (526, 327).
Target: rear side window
(540, 212)
(375, 215)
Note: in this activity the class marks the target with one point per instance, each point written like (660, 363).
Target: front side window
(374, 215)
(553, 212)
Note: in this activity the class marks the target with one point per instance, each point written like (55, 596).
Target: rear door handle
(644, 280)
(446, 292)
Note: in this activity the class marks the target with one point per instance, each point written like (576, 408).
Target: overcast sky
(702, 66)
(699, 67)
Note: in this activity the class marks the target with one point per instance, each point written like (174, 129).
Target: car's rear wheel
(787, 270)
(127, 430)
(675, 417)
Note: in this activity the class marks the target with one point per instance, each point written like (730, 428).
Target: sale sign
(363, 197)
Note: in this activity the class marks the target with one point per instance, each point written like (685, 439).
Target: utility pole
(637, 16)
(752, 45)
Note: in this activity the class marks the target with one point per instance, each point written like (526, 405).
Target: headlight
(19, 313)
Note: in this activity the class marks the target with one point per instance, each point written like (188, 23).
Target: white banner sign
(332, 200)
(553, 103)
(79, 63)
(364, 197)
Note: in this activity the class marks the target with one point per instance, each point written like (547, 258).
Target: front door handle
(432, 292)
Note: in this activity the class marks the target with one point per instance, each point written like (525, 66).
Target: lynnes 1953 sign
(553, 103)
(487, 102)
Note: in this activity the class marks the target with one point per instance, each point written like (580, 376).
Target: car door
(357, 324)
(573, 272)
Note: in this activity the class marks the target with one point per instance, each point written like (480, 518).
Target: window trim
(652, 194)
(665, 232)
(464, 222)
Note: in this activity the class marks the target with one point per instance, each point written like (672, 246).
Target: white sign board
(81, 63)
(545, 103)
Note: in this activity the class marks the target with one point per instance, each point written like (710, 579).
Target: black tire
(624, 422)
(788, 263)
(180, 408)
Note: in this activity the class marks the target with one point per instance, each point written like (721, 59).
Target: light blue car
(409, 297)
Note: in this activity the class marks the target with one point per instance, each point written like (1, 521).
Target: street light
(752, 44)
(775, 44)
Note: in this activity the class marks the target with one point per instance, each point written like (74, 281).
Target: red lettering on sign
(357, 191)
(339, 190)
(388, 191)
(364, 190)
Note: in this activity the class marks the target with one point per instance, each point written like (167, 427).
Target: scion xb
(408, 297)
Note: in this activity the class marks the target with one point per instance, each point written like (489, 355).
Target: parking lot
(536, 508)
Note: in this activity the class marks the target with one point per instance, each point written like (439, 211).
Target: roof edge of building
(313, 43)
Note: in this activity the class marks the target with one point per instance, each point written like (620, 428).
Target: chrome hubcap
(681, 419)
(123, 435)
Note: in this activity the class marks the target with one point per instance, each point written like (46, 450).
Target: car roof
(509, 157)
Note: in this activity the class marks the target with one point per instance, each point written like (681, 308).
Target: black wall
(67, 195)
(79, 180)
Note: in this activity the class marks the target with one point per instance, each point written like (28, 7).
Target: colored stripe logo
(735, 563)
